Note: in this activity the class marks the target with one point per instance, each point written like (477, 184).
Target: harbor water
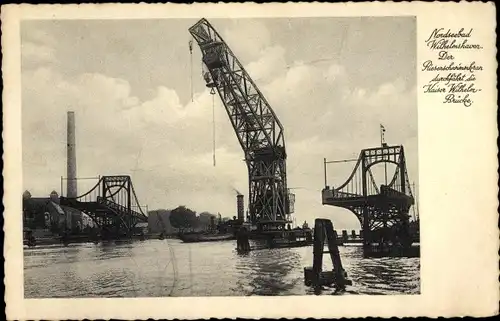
(159, 268)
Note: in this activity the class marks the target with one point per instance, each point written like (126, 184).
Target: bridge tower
(258, 129)
(382, 211)
(112, 204)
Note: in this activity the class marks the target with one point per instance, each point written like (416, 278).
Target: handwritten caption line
(456, 81)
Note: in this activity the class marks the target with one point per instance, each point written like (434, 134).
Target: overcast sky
(331, 82)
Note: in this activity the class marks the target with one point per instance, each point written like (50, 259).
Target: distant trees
(159, 221)
(207, 221)
(183, 218)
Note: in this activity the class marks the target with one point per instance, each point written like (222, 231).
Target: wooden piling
(242, 240)
(315, 276)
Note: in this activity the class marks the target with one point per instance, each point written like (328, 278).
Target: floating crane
(257, 128)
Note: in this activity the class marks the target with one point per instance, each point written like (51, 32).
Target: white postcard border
(457, 166)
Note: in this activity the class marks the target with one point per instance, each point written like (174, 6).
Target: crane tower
(257, 128)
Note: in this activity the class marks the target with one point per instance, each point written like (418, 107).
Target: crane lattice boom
(257, 128)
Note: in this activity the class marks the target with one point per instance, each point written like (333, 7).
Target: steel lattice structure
(382, 211)
(112, 204)
(257, 128)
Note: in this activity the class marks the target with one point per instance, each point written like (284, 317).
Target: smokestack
(71, 190)
(240, 209)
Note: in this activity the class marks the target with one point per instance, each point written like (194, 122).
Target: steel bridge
(112, 204)
(382, 211)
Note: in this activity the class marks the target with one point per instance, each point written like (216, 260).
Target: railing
(105, 185)
(335, 194)
(121, 208)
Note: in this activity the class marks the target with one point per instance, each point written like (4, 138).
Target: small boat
(198, 237)
(283, 243)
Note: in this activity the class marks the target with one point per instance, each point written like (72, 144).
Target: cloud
(37, 48)
(40, 37)
(270, 64)
(166, 145)
(247, 38)
(117, 134)
(35, 53)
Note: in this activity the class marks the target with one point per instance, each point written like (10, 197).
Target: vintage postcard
(244, 160)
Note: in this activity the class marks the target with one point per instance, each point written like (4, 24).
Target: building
(45, 213)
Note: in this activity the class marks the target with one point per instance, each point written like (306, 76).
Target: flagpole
(324, 166)
(382, 130)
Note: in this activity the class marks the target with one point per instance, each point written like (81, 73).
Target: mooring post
(314, 275)
(242, 240)
(318, 245)
(333, 249)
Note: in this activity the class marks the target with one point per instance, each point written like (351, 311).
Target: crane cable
(212, 92)
(191, 66)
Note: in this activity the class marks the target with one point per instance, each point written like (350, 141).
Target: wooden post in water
(338, 269)
(318, 245)
(242, 240)
(323, 229)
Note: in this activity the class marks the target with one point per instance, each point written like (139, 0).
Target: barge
(199, 237)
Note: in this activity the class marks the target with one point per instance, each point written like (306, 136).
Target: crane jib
(257, 127)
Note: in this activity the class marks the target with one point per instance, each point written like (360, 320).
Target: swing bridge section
(259, 132)
(112, 204)
(382, 211)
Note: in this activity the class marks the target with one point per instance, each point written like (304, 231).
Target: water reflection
(268, 271)
(159, 268)
(383, 275)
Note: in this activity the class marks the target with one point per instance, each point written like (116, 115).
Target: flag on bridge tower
(382, 131)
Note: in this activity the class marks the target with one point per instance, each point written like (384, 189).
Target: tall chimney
(71, 190)
(240, 209)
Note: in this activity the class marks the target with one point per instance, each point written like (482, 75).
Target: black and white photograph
(220, 157)
(243, 160)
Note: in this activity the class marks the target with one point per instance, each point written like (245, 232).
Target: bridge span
(112, 204)
(383, 211)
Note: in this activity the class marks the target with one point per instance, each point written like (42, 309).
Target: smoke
(237, 192)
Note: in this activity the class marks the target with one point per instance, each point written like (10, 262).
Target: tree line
(183, 218)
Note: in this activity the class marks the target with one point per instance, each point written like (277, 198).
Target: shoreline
(56, 240)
